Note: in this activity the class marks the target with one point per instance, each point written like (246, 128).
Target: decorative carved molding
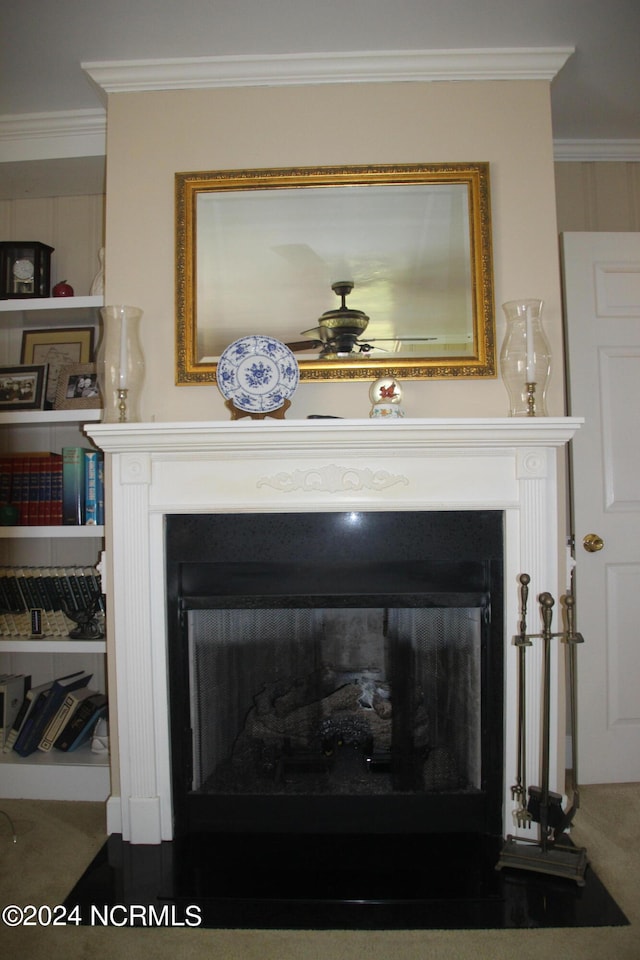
(532, 464)
(332, 479)
(135, 468)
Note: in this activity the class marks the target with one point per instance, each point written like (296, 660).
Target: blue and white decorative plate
(259, 374)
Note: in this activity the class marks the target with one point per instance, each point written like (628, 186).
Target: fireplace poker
(539, 798)
(571, 639)
(521, 815)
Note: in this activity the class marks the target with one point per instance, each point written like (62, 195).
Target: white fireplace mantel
(154, 469)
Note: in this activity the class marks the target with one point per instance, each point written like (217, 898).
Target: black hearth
(336, 673)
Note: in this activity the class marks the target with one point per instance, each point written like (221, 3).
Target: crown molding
(48, 136)
(513, 63)
(82, 133)
(597, 150)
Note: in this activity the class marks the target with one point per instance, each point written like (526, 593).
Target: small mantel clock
(25, 269)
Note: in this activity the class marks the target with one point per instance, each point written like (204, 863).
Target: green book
(73, 486)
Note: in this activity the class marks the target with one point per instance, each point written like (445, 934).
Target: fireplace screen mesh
(335, 701)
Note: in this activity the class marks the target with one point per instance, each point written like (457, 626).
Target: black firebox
(336, 673)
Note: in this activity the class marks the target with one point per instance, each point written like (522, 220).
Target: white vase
(97, 287)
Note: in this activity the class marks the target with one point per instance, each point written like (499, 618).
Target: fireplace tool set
(548, 854)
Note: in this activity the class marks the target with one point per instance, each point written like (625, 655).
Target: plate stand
(237, 414)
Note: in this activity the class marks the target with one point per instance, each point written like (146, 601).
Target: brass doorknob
(592, 543)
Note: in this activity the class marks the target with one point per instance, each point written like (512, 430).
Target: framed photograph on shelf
(22, 388)
(77, 387)
(57, 348)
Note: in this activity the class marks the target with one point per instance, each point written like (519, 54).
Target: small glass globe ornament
(386, 398)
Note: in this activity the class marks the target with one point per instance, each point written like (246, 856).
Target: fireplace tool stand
(548, 854)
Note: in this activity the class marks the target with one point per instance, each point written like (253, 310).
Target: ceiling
(596, 95)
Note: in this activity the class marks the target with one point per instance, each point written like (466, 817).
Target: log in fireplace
(336, 673)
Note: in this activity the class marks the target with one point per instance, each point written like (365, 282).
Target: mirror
(263, 251)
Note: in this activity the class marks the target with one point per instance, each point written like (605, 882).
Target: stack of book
(58, 714)
(82, 486)
(50, 489)
(41, 601)
(32, 483)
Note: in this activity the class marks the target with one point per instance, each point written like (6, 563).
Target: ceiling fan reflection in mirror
(338, 332)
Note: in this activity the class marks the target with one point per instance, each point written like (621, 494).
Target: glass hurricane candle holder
(121, 364)
(525, 358)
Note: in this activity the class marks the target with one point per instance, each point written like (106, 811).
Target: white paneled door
(602, 309)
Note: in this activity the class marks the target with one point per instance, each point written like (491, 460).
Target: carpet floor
(57, 841)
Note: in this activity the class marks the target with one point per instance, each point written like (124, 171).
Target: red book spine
(56, 491)
(32, 471)
(46, 472)
(19, 488)
(6, 476)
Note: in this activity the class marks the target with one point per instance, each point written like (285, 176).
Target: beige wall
(151, 136)
(589, 196)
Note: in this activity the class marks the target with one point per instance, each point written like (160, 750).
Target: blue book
(91, 459)
(100, 490)
(48, 704)
(29, 703)
(13, 690)
(78, 729)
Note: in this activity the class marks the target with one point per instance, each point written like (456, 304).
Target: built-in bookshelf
(52, 308)
(62, 532)
(56, 775)
(51, 645)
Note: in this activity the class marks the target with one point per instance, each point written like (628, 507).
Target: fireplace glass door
(332, 701)
(331, 691)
